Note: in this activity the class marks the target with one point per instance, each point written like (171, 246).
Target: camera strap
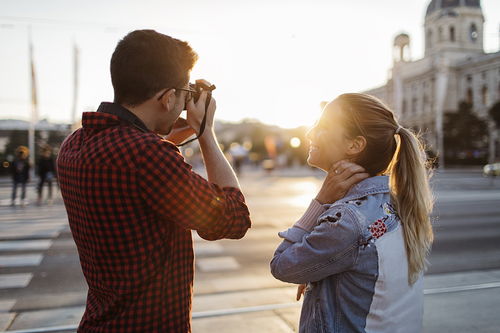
(123, 114)
(203, 122)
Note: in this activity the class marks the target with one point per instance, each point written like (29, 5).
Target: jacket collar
(111, 114)
(372, 185)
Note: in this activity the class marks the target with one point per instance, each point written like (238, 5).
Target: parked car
(491, 170)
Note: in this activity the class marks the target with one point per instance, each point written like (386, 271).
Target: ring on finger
(336, 171)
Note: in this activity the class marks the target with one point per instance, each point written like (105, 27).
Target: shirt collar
(111, 114)
(372, 185)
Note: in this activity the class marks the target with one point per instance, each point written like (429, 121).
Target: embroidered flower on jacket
(389, 208)
(378, 228)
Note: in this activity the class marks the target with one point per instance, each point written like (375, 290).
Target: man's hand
(340, 178)
(196, 112)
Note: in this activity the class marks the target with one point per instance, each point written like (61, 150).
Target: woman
(362, 253)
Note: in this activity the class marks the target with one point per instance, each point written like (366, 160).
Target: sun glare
(295, 142)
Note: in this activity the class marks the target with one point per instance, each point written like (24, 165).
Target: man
(131, 199)
(46, 171)
(20, 174)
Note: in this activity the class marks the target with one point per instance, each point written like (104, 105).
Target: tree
(465, 136)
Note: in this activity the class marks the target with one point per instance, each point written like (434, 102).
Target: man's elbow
(235, 230)
(238, 227)
(241, 232)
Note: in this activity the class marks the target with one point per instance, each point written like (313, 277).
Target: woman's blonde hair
(396, 151)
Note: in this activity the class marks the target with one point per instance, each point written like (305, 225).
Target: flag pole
(34, 109)
(75, 84)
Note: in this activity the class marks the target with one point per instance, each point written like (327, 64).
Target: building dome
(436, 5)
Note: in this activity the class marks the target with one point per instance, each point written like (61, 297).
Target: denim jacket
(354, 262)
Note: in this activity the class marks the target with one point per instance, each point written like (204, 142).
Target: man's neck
(144, 113)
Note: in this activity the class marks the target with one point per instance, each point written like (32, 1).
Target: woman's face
(328, 141)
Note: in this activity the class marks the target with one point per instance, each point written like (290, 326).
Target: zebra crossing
(26, 233)
(210, 256)
(30, 234)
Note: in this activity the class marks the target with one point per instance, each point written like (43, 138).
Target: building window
(472, 3)
(414, 106)
(452, 34)
(470, 96)
(440, 34)
(469, 78)
(484, 95)
(429, 38)
(473, 34)
(403, 111)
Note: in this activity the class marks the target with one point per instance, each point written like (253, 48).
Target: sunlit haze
(274, 61)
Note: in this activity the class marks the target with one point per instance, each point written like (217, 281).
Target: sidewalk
(457, 302)
(244, 302)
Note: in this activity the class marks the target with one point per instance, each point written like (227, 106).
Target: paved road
(41, 283)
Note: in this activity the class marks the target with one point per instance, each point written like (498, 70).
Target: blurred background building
(451, 95)
(14, 133)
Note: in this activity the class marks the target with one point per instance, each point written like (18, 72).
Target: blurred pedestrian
(133, 201)
(238, 154)
(359, 252)
(20, 174)
(46, 173)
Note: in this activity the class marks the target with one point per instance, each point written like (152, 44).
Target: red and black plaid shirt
(132, 202)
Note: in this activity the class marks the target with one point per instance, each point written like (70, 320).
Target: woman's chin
(315, 164)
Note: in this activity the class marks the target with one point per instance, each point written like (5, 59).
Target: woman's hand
(340, 178)
(301, 289)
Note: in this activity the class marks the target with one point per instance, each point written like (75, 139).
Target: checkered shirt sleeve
(170, 187)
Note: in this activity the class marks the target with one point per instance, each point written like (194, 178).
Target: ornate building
(454, 68)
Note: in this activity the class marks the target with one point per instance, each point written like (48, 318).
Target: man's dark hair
(145, 62)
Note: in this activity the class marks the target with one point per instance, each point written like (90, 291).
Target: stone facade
(455, 68)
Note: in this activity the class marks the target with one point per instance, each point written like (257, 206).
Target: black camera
(195, 90)
(198, 87)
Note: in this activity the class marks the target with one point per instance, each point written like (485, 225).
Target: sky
(273, 60)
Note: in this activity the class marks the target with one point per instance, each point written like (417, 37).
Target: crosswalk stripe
(20, 260)
(207, 248)
(15, 280)
(32, 224)
(27, 233)
(7, 202)
(217, 264)
(6, 304)
(41, 244)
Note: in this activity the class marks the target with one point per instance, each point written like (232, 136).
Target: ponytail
(394, 150)
(413, 199)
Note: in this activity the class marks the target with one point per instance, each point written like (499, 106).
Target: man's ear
(356, 145)
(168, 99)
